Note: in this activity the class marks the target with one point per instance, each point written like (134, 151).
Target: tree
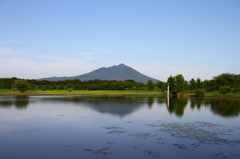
(193, 84)
(21, 85)
(150, 85)
(61, 87)
(179, 83)
(171, 82)
(224, 89)
(199, 83)
(162, 86)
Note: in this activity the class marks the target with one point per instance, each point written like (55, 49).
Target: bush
(199, 93)
(43, 88)
(224, 89)
(21, 85)
(69, 89)
(181, 94)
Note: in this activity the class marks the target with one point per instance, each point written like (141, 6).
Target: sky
(159, 38)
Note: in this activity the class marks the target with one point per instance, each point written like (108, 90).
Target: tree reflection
(224, 107)
(177, 106)
(150, 102)
(21, 102)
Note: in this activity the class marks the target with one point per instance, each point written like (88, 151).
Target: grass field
(80, 92)
(103, 92)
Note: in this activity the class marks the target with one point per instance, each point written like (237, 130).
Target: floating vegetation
(72, 145)
(111, 127)
(154, 125)
(133, 146)
(224, 155)
(203, 132)
(111, 143)
(141, 135)
(149, 152)
(101, 151)
(114, 130)
(181, 146)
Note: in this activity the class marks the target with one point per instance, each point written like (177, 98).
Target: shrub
(21, 85)
(224, 89)
(181, 94)
(199, 93)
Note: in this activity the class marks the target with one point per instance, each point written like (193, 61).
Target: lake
(118, 127)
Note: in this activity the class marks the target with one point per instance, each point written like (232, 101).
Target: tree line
(223, 83)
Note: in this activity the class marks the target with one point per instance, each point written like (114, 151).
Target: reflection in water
(122, 106)
(224, 107)
(177, 105)
(150, 102)
(21, 102)
(117, 106)
(81, 127)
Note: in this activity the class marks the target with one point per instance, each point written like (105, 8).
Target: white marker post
(168, 94)
(168, 89)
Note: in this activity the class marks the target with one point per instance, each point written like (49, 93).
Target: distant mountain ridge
(119, 73)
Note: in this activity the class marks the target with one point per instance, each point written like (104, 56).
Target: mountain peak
(119, 72)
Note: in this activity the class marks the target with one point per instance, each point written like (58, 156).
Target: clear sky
(159, 38)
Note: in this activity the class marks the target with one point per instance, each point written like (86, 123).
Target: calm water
(124, 127)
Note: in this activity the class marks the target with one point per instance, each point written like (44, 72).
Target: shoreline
(117, 95)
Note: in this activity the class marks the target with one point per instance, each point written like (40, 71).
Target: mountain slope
(120, 73)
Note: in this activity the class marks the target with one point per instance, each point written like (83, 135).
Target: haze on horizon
(158, 38)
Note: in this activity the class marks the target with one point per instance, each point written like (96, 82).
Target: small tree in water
(21, 85)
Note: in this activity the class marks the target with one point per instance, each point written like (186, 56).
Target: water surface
(118, 127)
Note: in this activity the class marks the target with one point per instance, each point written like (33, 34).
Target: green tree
(199, 83)
(162, 86)
(21, 85)
(171, 82)
(179, 83)
(193, 84)
(224, 89)
(61, 87)
(150, 85)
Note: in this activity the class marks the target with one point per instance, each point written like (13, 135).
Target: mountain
(120, 73)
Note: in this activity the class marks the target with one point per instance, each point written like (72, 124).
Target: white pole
(168, 94)
(168, 89)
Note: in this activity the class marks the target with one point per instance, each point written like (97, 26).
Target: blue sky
(159, 38)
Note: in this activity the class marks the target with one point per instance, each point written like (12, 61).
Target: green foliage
(162, 86)
(199, 93)
(177, 84)
(193, 84)
(6, 83)
(171, 82)
(61, 87)
(150, 85)
(69, 85)
(224, 89)
(43, 88)
(21, 85)
(69, 89)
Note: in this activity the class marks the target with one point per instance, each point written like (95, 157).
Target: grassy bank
(106, 92)
(80, 92)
